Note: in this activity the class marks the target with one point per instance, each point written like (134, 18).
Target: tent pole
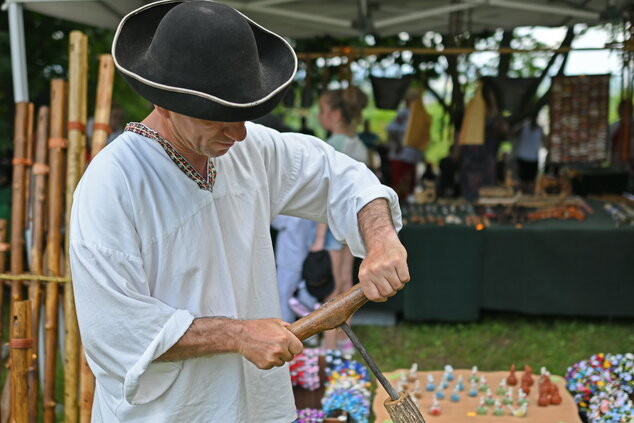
(18, 55)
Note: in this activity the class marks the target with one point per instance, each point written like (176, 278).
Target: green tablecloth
(547, 267)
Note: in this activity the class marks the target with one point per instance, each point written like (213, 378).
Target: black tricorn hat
(203, 59)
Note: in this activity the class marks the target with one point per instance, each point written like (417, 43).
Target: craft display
(602, 387)
(579, 108)
(304, 369)
(347, 387)
(493, 405)
(310, 415)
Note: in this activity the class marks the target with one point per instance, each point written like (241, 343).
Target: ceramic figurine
(489, 400)
(449, 372)
(474, 374)
(455, 396)
(555, 398)
(522, 411)
(443, 382)
(544, 398)
(430, 384)
(483, 384)
(511, 380)
(482, 408)
(498, 410)
(434, 410)
(413, 373)
(440, 394)
(473, 389)
(527, 377)
(501, 389)
(521, 398)
(508, 397)
(460, 383)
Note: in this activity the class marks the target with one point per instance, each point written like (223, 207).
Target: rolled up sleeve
(122, 327)
(316, 182)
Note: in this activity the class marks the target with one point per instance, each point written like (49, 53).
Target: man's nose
(237, 131)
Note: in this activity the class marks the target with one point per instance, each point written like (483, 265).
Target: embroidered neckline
(183, 164)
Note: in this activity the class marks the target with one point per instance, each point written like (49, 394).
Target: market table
(546, 267)
(464, 410)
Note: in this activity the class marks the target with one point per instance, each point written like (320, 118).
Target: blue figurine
(455, 396)
(430, 384)
(440, 394)
(460, 383)
(473, 390)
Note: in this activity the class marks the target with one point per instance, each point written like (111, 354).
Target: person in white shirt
(171, 255)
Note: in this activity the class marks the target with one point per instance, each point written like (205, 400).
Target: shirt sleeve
(313, 181)
(123, 329)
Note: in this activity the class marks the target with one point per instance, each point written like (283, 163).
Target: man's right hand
(267, 343)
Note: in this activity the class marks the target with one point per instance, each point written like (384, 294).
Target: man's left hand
(384, 270)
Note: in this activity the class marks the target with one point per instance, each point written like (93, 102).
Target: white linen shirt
(150, 251)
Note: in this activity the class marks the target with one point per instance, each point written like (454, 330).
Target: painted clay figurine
(508, 397)
(501, 389)
(474, 374)
(498, 410)
(482, 408)
(527, 377)
(473, 389)
(434, 410)
(413, 373)
(455, 395)
(449, 372)
(489, 398)
(511, 380)
(483, 384)
(521, 398)
(555, 398)
(460, 383)
(521, 411)
(430, 384)
(440, 394)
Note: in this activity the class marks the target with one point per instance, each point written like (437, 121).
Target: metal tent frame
(338, 18)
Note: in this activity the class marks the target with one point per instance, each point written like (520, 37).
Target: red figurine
(527, 377)
(555, 398)
(511, 380)
(526, 387)
(544, 399)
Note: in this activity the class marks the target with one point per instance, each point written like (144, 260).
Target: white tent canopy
(337, 18)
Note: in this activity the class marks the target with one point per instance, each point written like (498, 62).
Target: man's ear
(165, 114)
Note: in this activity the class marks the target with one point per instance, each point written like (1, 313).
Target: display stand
(461, 411)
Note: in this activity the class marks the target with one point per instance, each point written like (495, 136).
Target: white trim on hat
(190, 91)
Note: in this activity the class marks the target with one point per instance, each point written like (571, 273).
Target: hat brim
(278, 64)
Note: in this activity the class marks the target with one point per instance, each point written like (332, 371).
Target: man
(171, 255)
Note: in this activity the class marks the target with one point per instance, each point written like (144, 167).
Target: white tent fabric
(304, 19)
(337, 18)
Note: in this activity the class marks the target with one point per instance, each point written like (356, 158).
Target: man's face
(205, 137)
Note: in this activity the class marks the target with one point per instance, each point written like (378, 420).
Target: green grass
(495, 342)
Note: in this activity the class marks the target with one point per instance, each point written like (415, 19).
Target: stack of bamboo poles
(47, 165)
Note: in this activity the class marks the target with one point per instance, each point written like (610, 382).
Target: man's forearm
(375, 222)
(198, 340)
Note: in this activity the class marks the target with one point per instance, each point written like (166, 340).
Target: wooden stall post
(4, 247)
(21, 345)
(57, 144)
(39, 171)
(101, 126)
(18, 194)
(77, 71)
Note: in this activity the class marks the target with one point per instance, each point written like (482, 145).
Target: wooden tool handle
(330, 314)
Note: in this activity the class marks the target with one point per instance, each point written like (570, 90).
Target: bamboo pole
(21, 345)
(57, 144)
(77, 71)
(18, 196)
(39, 171)
(4, 247)
(27, 169)
(87, 389)
(101, 127)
